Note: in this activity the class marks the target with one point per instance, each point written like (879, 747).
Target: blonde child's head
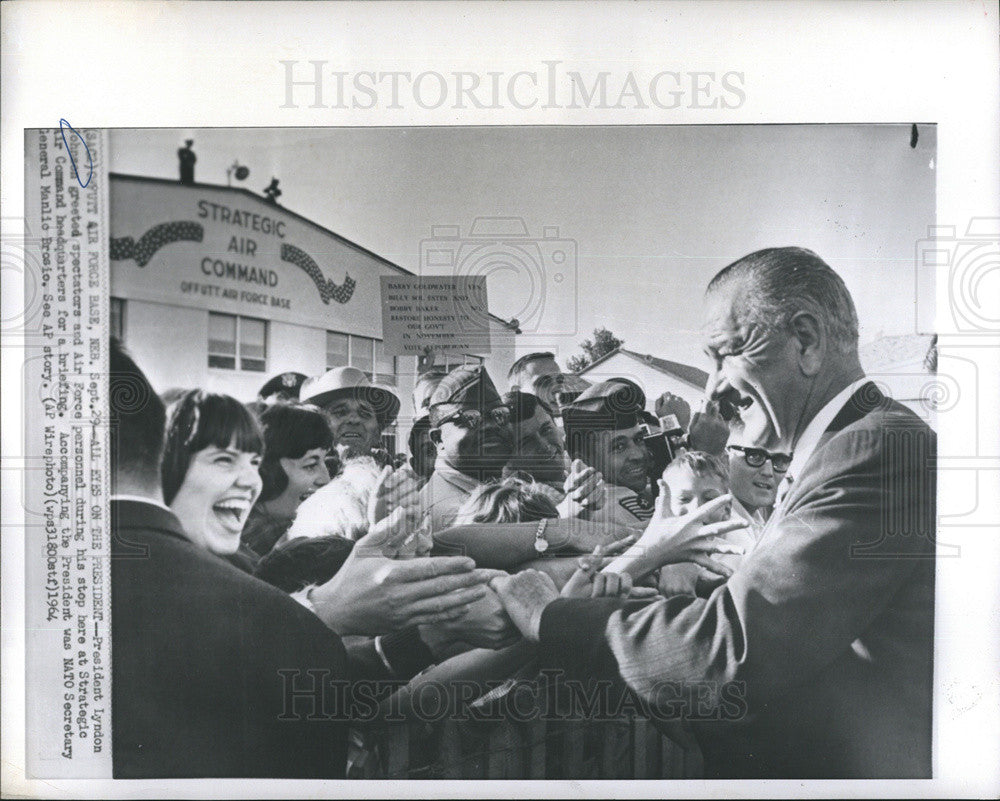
(694, 478)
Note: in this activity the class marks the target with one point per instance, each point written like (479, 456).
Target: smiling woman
(210, 468)
(297, 442)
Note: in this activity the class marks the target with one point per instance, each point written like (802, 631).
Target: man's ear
(434, 435)
(810, 341)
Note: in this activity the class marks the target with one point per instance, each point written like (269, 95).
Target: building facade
(653, 374)
(218, 288)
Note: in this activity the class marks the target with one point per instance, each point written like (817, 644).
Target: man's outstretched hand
(525, 596)
(372, 594)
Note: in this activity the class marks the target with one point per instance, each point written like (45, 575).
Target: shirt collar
(142, 499)
(756, 518)
(456, 478)
(817, 426)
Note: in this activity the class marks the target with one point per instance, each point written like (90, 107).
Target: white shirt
(810, 438)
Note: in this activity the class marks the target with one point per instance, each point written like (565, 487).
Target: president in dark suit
(814, 660)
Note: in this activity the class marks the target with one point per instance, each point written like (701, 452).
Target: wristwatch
(541, 544)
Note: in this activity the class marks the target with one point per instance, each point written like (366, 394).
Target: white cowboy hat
(351, 382)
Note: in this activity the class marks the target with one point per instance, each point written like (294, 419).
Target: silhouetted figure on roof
(271, 192)
(187, 159)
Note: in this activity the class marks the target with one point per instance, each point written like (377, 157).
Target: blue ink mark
(63, 125)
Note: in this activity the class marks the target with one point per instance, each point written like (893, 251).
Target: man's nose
(767, 469)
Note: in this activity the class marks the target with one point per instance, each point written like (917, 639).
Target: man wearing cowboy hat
(358, 410)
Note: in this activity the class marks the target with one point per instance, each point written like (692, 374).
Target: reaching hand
(667, 540)
(372, 594)
(484, 625)
(708, 432)
(584, 488)
(668, 404)
(525, 596)
(589, 582)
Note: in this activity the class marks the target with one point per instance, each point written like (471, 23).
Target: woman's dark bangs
(225, 422)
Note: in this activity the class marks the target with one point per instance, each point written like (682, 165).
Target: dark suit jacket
(196, 649)
(815, 658)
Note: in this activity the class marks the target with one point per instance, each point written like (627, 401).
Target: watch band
(541, 544)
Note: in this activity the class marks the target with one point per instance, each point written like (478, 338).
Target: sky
(625, 225)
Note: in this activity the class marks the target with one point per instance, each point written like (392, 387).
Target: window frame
(237, 355)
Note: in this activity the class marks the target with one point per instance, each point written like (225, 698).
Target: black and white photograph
(408, 451)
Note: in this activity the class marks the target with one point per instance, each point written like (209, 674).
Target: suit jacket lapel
(866, 399)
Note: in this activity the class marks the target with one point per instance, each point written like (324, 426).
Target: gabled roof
(684, 372)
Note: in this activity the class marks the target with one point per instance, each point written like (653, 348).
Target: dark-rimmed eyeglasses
(755, 457)
(473, 418)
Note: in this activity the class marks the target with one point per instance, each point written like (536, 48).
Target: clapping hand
(395, 489)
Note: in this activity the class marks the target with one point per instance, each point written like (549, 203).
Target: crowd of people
(264, 551)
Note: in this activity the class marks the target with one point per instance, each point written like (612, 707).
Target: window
(118, 318)
(253, 344)
(222, 341)
(337, 350)
(233, 340)
(365, 353)
(385, 366)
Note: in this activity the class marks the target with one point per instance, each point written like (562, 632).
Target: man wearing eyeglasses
(470, 427)
(817, 653)
(755, 476)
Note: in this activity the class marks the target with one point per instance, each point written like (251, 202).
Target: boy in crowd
(690, 480)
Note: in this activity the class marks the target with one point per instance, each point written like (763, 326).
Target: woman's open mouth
(232, 512)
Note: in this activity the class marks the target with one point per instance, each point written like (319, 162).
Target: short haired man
(539, 443)
(604, 429)
(539, 374)
(470, 427)
(823, 636)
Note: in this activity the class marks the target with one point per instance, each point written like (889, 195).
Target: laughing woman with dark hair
(213, 451)
(297, 441)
